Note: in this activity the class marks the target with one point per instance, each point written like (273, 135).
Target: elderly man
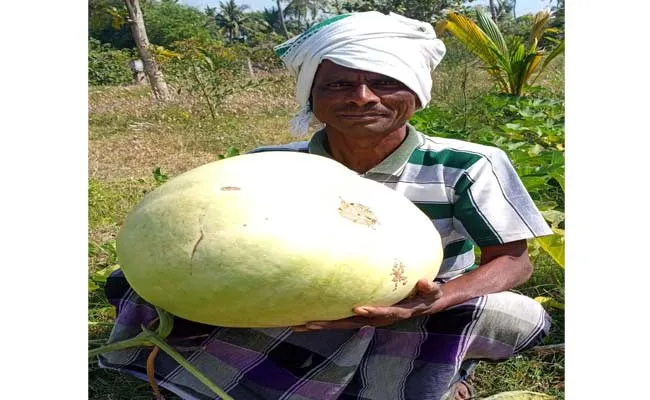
(363, 76)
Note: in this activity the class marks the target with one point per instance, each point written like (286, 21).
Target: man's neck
(364, 152)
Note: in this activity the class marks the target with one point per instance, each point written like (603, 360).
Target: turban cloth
(389, 44)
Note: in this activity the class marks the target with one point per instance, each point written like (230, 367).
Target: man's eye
(387, 82)
(338, 84)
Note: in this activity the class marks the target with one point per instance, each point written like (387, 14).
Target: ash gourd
(275, 239)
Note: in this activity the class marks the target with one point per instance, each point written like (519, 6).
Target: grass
(130, 136)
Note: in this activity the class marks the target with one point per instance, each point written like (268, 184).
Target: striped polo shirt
(471, 192)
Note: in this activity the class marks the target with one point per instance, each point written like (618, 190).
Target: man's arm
(502, 267)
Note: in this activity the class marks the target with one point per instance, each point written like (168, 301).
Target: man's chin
(376, 126)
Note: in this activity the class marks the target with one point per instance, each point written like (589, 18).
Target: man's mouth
(361, 116)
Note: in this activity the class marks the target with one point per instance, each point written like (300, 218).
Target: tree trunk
(156, 79)
(284, 26)
(493, 10)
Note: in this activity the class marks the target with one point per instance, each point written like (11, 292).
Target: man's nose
(362, 95)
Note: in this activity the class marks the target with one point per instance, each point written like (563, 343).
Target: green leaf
(535, 150)
(92, 286)
(93, 249)
(548, 302)
(520, 395)
(230, 152)
(514, 127)
(102, 274)
(559, 177)
(491, 29)
(555, 217)
(553, 245)
(159, 176)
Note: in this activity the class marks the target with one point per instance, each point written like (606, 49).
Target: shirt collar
(391, 167)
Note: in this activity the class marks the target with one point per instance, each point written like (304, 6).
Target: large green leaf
(490, 28)
(549, 302)
(554, 245)
(470, 35)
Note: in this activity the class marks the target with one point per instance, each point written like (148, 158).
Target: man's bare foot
(462, 391)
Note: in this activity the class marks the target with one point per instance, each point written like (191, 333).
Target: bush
(108, 66)
(529, 129)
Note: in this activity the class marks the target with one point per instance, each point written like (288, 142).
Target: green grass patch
(527, 371)
(109, 202)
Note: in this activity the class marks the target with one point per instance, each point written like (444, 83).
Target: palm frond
(468, 33)
(539, 23)
(491, 29)
(559, 49)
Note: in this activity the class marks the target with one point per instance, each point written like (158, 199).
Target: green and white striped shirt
(471, 192)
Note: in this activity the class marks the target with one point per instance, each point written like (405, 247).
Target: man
(363, 76)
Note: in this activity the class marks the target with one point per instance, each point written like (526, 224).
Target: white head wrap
(402, 48)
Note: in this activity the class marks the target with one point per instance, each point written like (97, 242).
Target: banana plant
(512, 64)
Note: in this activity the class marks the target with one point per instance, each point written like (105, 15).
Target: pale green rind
(277, 252)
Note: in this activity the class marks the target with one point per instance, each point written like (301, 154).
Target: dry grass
(130, 135)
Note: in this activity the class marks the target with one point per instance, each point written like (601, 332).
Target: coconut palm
(231, 18)
(510, 64)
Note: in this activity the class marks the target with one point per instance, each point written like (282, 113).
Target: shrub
(108, 66)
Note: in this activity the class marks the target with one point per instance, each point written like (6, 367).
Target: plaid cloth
(417, 359)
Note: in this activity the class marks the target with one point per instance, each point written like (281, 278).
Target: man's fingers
(384, 312)
(347, 323)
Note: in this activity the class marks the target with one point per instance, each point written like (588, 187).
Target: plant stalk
(140, 340)
(185, 364)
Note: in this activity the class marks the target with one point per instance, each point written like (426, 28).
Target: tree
(511, 65)
(156, 78)
(107, 23)
(423, 10)
(305, 11)
(168, 22)
(231, 19)
(501, 8)
(282, 21)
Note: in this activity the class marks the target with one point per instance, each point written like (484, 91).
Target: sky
(523, 6)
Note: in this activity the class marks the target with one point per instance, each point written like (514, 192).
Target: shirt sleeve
(493, 206)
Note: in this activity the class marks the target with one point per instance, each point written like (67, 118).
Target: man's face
(360, 103)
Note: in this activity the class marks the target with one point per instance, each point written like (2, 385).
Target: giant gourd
(275, 239)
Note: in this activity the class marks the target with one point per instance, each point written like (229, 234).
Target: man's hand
(427, 292)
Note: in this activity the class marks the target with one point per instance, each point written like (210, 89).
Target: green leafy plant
(106, 65)
(230, 152)
(512, 64)
(207, 70)
(159, 177)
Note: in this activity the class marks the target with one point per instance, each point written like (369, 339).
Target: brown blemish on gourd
(358, 213)
(398, 274)
(229, 188)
